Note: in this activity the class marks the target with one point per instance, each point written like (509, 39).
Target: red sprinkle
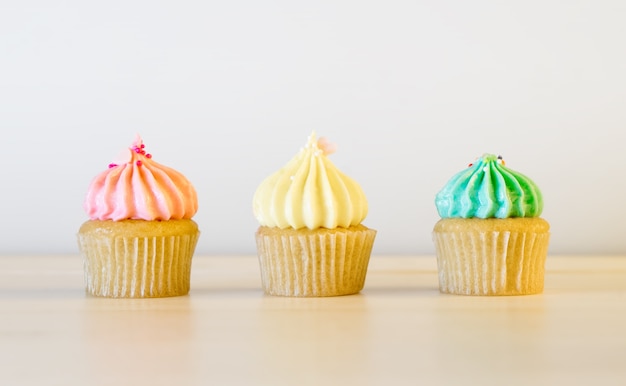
(148, 155)
(138, 163)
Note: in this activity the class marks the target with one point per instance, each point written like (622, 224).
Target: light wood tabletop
(398, 331)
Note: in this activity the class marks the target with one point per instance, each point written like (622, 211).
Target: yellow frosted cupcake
(140, 238)
(490, 240)
(311, 241)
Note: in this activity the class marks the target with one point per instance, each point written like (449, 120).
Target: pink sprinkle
(138, 163)
(326, 146)
(148, 155)
(112, 165)
(137, 150)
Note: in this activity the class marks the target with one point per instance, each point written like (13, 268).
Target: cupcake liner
(491, 262)
(137, 266)
(323, 262)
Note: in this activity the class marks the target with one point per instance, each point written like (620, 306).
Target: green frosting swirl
(488, 189)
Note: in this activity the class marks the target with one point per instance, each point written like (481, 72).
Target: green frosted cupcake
(490, 239)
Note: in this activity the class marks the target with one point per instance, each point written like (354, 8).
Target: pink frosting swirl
(139, 188)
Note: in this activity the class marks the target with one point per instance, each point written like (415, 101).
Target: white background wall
(228, 91)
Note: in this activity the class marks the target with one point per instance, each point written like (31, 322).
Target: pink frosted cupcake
(140, 238)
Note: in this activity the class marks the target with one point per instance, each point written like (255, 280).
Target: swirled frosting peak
(488, 189)
(310, 192)
(136, 187)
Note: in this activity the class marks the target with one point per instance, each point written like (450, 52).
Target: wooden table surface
(398, 331)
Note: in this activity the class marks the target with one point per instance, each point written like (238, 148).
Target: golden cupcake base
(314, 263)
(136, 258)
(491, 256)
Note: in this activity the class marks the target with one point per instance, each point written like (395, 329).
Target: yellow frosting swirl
(310, 192)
